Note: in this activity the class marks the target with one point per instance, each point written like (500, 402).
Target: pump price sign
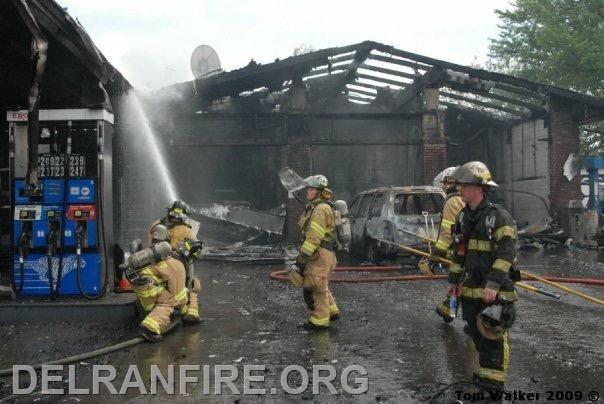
(53, 165)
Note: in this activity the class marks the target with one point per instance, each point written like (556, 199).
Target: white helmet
(445, 176)
(316, 181)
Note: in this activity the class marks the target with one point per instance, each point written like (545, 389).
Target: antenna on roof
(205, 62)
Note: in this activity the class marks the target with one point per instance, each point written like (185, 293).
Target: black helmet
(178, 210)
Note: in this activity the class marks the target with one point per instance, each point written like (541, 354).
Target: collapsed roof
(75, 72)
(363, 72)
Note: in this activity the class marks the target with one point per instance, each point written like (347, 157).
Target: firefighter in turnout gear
(179, 233)
(317, 260)
(453, 205)
(482, 273)
(160, 289)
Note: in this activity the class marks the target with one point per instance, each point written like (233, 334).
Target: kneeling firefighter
(316, 260)
(179, 232)
(482, 273)
(157, 275)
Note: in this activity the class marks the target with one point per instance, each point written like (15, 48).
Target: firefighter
(160, 289)
(316, 259)
(179, 229)
(451, 208)
(482, 273)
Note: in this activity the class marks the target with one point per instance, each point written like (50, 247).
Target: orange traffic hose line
(281, 275)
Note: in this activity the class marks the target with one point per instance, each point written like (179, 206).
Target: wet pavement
(388, 328)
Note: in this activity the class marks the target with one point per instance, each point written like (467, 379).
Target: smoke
(143, 180)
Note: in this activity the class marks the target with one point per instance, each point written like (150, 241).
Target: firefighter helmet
(178, 210)
(495, 319)
(159, 233)
(444, 179)
(474, 173)
(316, 181)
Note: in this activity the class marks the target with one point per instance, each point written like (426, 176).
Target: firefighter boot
(334, 311)
(150, 335)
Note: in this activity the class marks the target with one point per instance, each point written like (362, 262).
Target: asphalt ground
(390, 329)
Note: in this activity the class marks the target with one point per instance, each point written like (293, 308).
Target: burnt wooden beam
(400, 62)
(485, 104)
(477, 113)
(342, 58)
(359, 58)
(432, 78)
(478, 73)
(370, 86)
(381, 80)
(467, 89)
(356, 90)
(324, 70)
(363, 92)
(520, 91)
(357, 98)
(387, 71)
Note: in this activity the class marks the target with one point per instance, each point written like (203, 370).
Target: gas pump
(62, 234)
(24, 244)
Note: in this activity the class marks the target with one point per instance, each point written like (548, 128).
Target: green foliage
(559, 42)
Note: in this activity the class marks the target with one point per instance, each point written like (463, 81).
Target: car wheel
(373, 252)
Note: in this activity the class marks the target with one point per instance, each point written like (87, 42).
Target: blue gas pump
(60, 240)
(593, 164)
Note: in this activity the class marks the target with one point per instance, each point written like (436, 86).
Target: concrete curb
(108, 309)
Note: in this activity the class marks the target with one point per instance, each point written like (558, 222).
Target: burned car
(394, 214)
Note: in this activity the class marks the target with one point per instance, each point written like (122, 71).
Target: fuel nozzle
(80, 236)
(25, 240)
(53, 235)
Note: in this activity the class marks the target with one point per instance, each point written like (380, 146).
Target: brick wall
(434, 158)
(564, 139)
(434, 147)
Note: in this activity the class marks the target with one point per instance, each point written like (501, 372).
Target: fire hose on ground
(91, 354)
(281, 275)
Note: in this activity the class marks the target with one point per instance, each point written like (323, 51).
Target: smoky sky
(151, 41)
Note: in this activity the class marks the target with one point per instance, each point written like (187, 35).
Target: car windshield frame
(418, 198)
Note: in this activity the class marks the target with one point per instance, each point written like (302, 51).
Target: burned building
(369, 115)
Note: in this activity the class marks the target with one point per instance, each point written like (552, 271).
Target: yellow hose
(519, 284)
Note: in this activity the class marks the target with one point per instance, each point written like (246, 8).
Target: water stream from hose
(157, 157)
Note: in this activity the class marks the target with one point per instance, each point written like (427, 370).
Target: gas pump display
(58, 244)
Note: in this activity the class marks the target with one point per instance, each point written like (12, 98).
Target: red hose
(281, 275)
(369, 268)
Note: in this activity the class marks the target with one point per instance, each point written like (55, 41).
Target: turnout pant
(315, 288)
(191, 310)
(493, 355)
(159, 305)
(165, 292)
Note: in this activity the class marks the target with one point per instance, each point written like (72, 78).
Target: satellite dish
(205, 62)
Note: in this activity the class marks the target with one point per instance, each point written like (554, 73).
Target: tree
(559, 42)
